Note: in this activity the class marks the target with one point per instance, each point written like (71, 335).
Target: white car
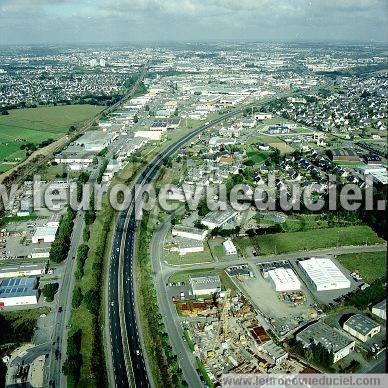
(137, 352)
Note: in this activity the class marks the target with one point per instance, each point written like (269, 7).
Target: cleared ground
(369, 265)
(34, 125)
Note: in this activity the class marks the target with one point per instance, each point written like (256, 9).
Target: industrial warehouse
(331, 339)
(284, 279)
(323, 274)
(205, 284)
(18, 291)
(361, 327)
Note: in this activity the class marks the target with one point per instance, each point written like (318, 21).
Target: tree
(5, 113)
(49, 291)
(77, 297)
(135, 119)
(91, 301)
(203, 208)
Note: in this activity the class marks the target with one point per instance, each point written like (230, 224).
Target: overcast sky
(76, 21)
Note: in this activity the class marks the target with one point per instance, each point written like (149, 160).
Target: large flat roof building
(361, 327)
(18, 291)
(284, 279)
(332, 340)
(205, 284)
(323, 274)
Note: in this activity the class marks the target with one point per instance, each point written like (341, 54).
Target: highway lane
(118, 360)
(132, 341)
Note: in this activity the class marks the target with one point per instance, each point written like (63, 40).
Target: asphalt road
(31, 354)
(125, 236)
(55, 376)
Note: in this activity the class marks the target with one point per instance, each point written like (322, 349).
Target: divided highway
(121, 276)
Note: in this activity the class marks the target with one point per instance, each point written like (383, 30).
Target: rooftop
(361, 323)
(17, 287)
(321, 333)
(323, 271)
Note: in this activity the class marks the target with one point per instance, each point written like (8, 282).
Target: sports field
(34, 125)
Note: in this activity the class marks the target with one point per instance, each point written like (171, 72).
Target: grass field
(256, 156)
(299, 241)
(370, 265)
(35, 125)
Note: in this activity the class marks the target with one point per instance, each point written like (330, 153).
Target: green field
(314, 239)
(34, 125)
(369, 265)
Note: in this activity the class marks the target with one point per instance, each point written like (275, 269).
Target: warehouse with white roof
(323, 274)
(189, 232)
(284, 279)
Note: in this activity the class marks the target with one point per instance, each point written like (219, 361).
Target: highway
(126, 340)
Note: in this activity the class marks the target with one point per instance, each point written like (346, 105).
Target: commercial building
(18, 291)
(44, 234)
(332, 340)
(284, 279)
(95, 141)
(150, 135)
(230, 248)
(205, 284)
(347, 155)
(18, 270)
(219, 218)
(275, 352)
(76, 160)
(324, 275)
(189, 232)
(378, 173)
(186, 245)
(380, 309)
(361, 327)
(240, 272)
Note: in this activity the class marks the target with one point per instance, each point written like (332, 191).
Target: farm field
(298, 241)
(34, 125)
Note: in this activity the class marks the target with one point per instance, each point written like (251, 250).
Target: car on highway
(60, 309)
